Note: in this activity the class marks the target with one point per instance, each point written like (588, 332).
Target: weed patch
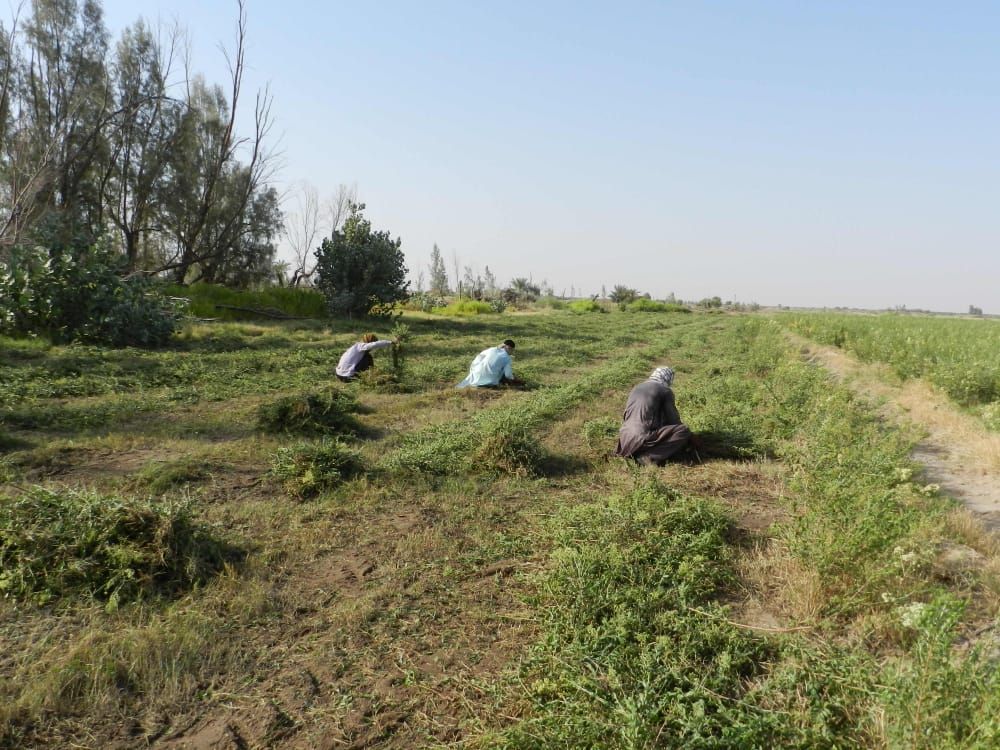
(507, 449)
(600, 432)
(628, 658)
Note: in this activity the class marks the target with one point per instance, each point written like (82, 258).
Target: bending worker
(492, 367)
(357, 358)
(652, 430)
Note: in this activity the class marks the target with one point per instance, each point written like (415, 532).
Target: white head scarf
(663, 375)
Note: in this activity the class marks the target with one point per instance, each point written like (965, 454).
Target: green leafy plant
(585, 306)
(81, 294)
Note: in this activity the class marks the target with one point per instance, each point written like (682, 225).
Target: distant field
(959, 355)
(218, 544)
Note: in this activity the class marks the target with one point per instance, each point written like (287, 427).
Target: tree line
(119, 139)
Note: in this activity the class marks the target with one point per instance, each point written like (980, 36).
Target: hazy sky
(782, 152)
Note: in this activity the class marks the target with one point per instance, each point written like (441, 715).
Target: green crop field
(960, 356)
(217, 544)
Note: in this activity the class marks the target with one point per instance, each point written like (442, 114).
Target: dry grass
(771, 574)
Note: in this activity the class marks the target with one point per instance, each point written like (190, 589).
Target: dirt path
(958, 453)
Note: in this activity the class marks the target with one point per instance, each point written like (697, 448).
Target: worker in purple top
(358, 357)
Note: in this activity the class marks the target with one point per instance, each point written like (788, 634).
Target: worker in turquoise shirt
(492, 367)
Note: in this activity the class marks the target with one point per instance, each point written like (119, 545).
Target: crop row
(960, 356)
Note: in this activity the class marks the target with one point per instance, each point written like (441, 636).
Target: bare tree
(302, 230)
(220, 162)
(338, 205)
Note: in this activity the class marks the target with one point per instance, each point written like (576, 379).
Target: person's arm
(375, 345)
(670, 413)
(508, 369)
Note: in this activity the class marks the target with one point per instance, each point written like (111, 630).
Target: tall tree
(147, 128)
(438, 283)
(56, 144)
(206, 162)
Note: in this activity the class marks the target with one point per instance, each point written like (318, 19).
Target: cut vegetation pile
(307, 469)
(329, 413)
(56, 543)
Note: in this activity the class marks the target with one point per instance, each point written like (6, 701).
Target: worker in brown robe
(652, 430)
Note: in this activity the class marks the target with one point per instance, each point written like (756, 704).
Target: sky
(804, 154)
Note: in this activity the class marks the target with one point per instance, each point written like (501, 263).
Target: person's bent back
(652, 430)
(491, 367)
(358, 357)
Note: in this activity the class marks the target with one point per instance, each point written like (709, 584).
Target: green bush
(361, 271)
(306, 469)
(466, 307)
(585, 306)
(291, 301)
(59, 543)
(648, 305)
(80, 294)
(328, 413)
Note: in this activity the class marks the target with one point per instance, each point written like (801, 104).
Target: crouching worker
(358, 357)
(492, 367)
(652, 430)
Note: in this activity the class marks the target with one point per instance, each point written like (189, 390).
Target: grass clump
(67, 542)
(327, 413)
(307, 469)
(507, 448)
(598, 432)
(161, 476)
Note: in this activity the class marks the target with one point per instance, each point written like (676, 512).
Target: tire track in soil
(958, 454)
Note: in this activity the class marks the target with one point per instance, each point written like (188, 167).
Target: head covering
(663, 375)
